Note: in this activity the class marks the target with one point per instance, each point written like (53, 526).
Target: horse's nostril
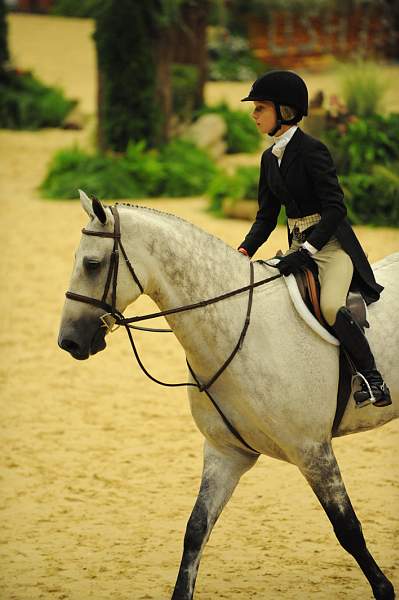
(69, 345)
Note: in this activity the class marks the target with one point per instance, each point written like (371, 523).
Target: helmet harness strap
(280, 121)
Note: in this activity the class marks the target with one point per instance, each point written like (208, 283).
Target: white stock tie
(278, 148)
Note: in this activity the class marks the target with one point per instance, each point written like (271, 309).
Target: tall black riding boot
(352, 338)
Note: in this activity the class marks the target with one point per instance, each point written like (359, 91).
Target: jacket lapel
(291, 151)
(275, 173)
(274, 179)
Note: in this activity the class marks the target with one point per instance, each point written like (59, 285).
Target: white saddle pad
(302, 309)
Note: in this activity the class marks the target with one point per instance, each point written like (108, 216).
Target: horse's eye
(91, 264)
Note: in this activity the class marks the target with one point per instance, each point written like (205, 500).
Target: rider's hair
(287, 112)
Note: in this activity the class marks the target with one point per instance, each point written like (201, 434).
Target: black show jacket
(306, 183)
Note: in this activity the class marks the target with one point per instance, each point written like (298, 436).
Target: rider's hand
(291, 263)
(243, 251)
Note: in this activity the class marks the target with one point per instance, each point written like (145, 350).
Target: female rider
(298, 171)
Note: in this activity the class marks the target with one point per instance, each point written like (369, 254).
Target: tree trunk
(190, 44)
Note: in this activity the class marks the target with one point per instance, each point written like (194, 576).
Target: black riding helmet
(282, 88)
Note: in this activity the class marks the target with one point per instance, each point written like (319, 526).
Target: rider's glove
(296, 261)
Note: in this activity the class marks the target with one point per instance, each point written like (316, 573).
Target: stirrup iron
(371, 399)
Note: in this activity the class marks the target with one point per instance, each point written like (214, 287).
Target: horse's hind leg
(322, 472)
(220, 476)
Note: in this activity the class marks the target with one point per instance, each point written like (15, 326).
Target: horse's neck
(184, 265)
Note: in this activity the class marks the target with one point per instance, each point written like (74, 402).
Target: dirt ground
(99, 466)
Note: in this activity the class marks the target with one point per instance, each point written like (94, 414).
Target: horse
(279, 391)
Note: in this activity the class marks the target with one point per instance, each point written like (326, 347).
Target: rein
(118, 319)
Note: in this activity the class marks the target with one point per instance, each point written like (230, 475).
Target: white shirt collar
(282, 140)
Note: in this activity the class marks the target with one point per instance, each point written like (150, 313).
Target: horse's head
(100, 283)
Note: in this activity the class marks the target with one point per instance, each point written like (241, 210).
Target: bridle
(112, 276)
(113, 318)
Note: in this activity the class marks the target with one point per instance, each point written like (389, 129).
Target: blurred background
(139, 100)
(157, 86)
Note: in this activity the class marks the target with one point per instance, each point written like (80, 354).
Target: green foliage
(370, 141)
(373, 197)
(242, 135)
(129, 108)
(188, 170)
(363, 88)
(231, 59)
(367, 156)
(78, 8)
(4, 54)
(241, 185)
(184, 87)
(72, 169)
(178, 169)
(26, 103)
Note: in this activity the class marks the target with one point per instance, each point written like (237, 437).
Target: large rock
(208, 133)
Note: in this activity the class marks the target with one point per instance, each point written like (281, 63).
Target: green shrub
(363, 88)
(26, 103)
(241, 185)
(104, 176)
(373, 198)
(222, 187)
(77, 8)
(242, 135)
(370, 141)
(178, 169)
(187, 169)
(145, 168)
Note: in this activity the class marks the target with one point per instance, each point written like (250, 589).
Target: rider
(298, 171)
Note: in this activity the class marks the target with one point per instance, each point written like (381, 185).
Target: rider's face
(264, 115)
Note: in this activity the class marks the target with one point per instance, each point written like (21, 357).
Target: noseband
(114, 317)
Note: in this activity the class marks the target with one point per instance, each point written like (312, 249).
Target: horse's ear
(93, 208)
(99, 211)
(86, 204)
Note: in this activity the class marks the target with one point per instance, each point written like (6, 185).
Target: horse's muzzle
(81, 342)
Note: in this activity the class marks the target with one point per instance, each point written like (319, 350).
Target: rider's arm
(266, 217)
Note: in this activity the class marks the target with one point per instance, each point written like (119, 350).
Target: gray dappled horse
(280, 389)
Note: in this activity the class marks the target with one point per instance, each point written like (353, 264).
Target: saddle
(309, 288)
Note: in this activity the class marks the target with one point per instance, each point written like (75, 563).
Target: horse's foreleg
(220, 476)
(323, 474)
